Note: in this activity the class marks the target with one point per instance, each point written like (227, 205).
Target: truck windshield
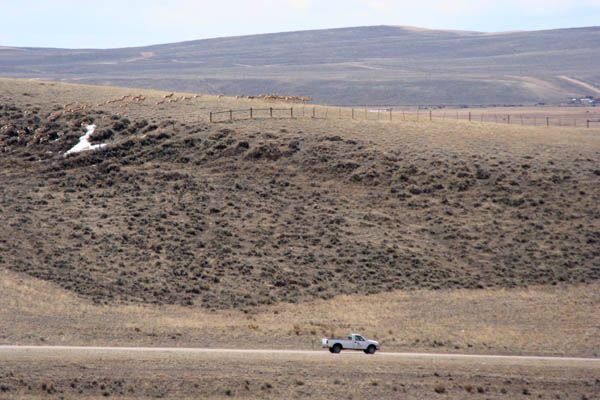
(360, 338)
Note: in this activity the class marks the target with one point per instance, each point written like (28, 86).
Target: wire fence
(389, 114)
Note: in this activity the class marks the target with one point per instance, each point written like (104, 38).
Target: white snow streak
(84, 143)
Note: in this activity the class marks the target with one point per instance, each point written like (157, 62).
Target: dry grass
(275, 376)
(473, 236)
(491, 235)
(553, 321)
(38, 92)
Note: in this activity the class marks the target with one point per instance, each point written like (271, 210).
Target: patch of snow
(84, 142)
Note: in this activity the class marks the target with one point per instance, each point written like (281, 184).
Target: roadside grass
(559, 320)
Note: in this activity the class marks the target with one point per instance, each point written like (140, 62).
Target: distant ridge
(393, 65)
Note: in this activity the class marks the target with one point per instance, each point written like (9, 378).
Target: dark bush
(120, 126)
(103, 135)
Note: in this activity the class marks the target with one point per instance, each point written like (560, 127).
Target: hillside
(178, 211)
(352, 66)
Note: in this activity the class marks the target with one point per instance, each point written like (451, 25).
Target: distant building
(585, 101)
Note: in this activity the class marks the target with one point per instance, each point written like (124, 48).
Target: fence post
(291, 112)
(231, 115)
(251, 113)
(430, 115)
(508, 118)
(469, 116)
(588, 123)
(271, 111)
(314, 113)
(211, 116)
(547, 121)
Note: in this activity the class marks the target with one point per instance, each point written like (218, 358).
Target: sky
(122, 23)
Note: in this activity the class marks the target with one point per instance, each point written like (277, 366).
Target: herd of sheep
(126, 100)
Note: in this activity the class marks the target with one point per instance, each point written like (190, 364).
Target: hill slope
(365, 65)
(265, 211)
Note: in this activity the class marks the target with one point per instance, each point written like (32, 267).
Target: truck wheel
(331, 350)
(370, 350)
(337, 348)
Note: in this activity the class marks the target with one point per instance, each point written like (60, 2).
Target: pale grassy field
(197, 108)
(551, 321)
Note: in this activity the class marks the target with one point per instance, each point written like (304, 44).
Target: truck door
(359, 342)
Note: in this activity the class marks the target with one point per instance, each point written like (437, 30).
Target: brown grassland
(443, 236)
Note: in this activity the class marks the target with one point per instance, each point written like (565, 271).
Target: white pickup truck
(353, 342)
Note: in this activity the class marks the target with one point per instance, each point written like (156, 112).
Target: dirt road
(582, 84)
(6, 351)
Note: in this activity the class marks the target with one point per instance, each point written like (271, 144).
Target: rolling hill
(351, 66)
(176, 210)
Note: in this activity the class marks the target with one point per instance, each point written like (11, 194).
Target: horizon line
(400, 27)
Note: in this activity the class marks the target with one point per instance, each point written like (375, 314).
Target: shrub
(440, 389)
(103, 135)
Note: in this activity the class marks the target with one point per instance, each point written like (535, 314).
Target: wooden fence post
(469, 116)
(508, 118)
(231, 115)
(547, 121)
(314, 113)
(430, 115)
(211, 117)
(291, 112)
(271, 111)
(251, 113)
